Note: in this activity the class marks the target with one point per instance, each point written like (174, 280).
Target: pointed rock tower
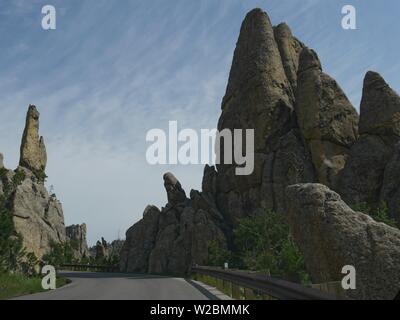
(37, 216)
(260, 96)
(362, 180)
(33, 151)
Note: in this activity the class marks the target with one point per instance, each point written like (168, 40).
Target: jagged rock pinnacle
(175, 193)
(33, 151)
(380, 107)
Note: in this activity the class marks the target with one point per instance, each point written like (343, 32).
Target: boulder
(331, 235)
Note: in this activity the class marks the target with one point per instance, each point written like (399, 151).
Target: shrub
(217, 255)
(264, 244)
(18, 177)
(60, 253)
(379, 214)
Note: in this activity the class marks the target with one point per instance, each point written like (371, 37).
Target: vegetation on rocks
(263, 243)
(379, 214)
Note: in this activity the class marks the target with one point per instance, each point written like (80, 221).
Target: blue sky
(112, 70)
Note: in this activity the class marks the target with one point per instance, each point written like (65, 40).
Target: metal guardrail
(86, 267)
(265, 285)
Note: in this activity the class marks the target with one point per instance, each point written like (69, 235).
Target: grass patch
(14, 285)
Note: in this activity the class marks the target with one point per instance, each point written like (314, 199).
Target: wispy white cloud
(113, 70)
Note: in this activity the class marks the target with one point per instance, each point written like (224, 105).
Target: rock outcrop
(37, 215)
(331, 235)
(327, 120)
(106, 251)
(306, 131)
(174, 238)
(260, 95)
(101, 249)
(390, 191)
(76, 235)
(33, 151)
(364, 178)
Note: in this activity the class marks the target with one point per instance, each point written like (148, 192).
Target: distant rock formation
(76, 235)
(104, 250)
(306, 131)
(174, 238)
(331, 235)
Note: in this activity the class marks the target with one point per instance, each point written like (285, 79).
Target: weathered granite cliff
(76, 235)
(306, 131)
(331, 235)
(36, 215)
(174, 238)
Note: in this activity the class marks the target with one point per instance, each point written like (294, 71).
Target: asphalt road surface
(103, 286)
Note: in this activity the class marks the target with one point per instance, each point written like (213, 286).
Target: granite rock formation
(260, 95)
(306, 131)
(76, 235)
(174, 238)
(368, 177)
(327, 120)
(37, 215)
(331, 235)
(33, 151)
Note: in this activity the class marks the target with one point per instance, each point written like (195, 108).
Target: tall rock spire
(258, 90)
(33, 151)
(259, 96)
(370, 176)
(380, 107)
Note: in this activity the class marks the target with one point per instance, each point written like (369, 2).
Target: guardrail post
(236, 292)
(249, 294)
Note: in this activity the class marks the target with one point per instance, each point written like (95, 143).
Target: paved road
(103, 286)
